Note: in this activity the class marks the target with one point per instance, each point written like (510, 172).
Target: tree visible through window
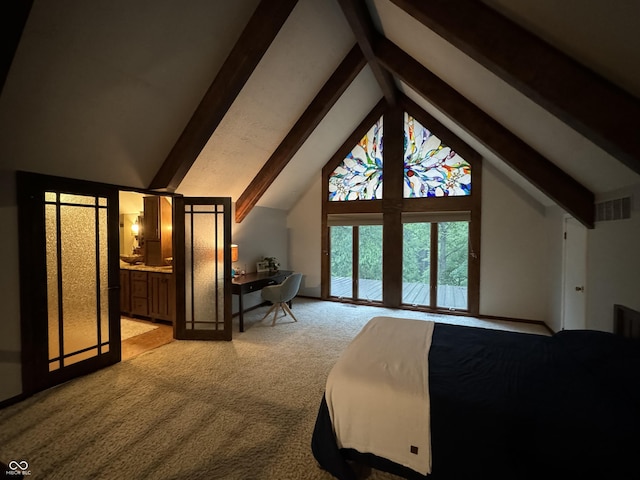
(427, 262)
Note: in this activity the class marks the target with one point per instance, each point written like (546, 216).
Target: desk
(253, 282)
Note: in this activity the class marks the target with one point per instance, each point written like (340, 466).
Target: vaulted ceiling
(249, 99)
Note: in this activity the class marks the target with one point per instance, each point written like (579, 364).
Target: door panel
(416, 264)
(202, 262)
(341, 261)
(574, 303)
(370, 263)
(453, 265)
(69, 278)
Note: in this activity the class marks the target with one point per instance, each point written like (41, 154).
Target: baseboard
(457, 313)
(516, 320)
(12, 400)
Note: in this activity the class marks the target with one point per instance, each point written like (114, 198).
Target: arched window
(401, 221)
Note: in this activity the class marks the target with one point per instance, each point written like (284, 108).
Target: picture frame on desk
(262, 267)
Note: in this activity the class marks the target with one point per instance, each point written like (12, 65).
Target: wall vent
(617, 209)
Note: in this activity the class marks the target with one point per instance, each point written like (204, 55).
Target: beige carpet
(132, 328)
(196, 410)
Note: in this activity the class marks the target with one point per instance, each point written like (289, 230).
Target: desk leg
(240, 316)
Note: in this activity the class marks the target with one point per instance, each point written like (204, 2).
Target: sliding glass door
(369, 263)
(416, 264)
(453, 265)
(435, 264)
(356, 262)
(341, 240)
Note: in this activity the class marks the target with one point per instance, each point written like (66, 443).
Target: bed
(506, 405)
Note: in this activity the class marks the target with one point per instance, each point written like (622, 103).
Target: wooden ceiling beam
(328, 95)
(545, 175)
(359, 19)
(601, 111)
(236, 70)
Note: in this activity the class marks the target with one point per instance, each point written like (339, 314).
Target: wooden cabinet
(157, 230)
(148, 294)
(125, 292)
(161, 296)
(139, 293)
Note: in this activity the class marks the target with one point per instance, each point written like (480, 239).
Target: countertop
(141, 267)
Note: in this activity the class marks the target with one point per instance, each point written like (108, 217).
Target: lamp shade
(234, 252)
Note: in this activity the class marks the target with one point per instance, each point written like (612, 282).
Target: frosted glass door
(69, 278)
(77, 278)
(203, 268)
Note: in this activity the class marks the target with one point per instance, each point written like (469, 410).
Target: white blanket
(378, 392)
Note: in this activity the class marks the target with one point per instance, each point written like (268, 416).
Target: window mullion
(433, 259)
(356, 262)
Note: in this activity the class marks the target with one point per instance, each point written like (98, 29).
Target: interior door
(69, 278)
(574, 273)
(202, 263)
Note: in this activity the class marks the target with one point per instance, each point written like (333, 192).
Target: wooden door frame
(179, 330)
(33, 279)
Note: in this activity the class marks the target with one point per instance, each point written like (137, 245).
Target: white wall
(10, 362)
(514, 269)
(613, 263)
(613, 267)
(263, 233)
(305, 230)
(516, 236)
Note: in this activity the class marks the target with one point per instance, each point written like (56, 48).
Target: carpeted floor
(198, 410)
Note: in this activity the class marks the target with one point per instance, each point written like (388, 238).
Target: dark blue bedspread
(508, 405)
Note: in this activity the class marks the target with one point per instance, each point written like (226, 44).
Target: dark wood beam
(554, 182)
(602, 112)
(328, 95)
(261, 30)
(392, 203)
(357, 14)
(14, 17)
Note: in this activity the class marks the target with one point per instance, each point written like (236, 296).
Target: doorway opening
(147, 294)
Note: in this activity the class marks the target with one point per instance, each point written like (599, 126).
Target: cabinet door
(158, 230)
(125, 292)
(161, 296)
(139, 303)
(151, 219)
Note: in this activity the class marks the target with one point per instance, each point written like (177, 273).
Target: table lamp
(234, 258)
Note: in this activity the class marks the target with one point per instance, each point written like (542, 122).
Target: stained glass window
(432, 169)
(359, 176)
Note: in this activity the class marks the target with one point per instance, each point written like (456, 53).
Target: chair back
(289, 288)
